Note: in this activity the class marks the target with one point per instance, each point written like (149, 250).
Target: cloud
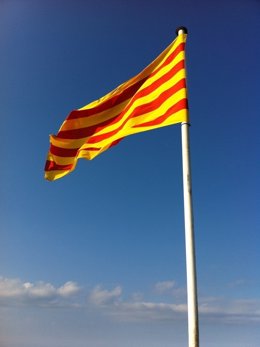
(101, 296)
(170, 288)
(68, 289)
(14, 289)
(152, 311)
(137, 308)
(112, 303)
(230, 310)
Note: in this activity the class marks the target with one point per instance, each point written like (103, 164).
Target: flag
(154, 98)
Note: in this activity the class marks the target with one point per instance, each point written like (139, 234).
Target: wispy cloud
(170, 288)
(164, 286)
(148, 310)
(230, 310)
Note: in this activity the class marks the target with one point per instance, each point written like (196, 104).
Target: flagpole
(193, 324)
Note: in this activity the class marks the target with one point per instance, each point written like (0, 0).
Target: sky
(97, 258)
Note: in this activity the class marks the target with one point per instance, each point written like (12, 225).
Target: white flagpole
(193, 324)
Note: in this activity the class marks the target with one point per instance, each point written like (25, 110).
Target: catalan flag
(154, 98)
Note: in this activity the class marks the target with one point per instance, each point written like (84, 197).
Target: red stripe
(126, 94)
(113, 101)
(70, 152)
(67, 152)
(180, 105)
(84, 132)
(51, 166)
(88, 131)
(114, 143)
(91, 149)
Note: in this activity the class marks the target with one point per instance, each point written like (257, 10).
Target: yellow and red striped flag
(154, 98)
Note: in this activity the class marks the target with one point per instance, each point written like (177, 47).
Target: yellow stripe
(178, 117)
(66, 143)
(55, 174)
(60, 160)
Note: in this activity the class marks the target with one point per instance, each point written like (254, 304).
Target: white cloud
(39, 290)
(13, 289)
(101, 296)
(68, 289)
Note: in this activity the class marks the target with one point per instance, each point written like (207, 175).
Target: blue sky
(97, 258)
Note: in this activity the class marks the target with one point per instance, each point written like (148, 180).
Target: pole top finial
(184, 29)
